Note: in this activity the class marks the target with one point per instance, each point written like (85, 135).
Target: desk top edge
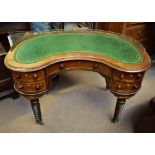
(129, 68)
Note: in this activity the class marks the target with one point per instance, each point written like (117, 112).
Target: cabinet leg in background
(15, 95)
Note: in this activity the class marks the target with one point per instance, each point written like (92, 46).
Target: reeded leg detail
(118, 109)
(36, 110)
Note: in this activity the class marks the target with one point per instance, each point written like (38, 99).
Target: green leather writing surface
(43, 46)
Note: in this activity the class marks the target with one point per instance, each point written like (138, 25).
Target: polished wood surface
(123, 80)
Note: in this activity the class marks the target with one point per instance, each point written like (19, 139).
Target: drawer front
(137, 32)
(78, 64)
(127, 77)
(124, 87)
(72, 64)
(28, 77)
(34, 87)
(123, 82)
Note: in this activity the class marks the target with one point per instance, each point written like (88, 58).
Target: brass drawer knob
(131, 75)
(20, 86)
(37, 87)
(35, 76)
(17, 76)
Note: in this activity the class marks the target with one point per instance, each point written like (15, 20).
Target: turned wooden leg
(36, 110)
(118, 109)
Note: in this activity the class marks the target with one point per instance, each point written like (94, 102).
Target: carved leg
(36, 110)
(118, 109)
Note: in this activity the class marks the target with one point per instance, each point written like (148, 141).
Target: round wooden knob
(139, 76)
(28, 86)
(20, 86)
(26, 75)
(135, 86)
(35, 76)
(119, 86)
(37, 87)
(17, 76)
(122, 76)
(62, 66)
(96, 66)
(128, 85)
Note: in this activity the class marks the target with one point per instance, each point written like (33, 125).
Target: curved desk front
(121, 60)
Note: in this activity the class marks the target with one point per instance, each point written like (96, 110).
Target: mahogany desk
(121, 60)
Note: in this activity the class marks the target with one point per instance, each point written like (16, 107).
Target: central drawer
(78, 64)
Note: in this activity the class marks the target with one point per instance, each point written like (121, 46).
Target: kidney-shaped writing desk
(121, 60)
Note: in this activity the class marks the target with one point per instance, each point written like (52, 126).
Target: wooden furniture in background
(142, 31)
(6, 27)
(77, 50)
(6, 85)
